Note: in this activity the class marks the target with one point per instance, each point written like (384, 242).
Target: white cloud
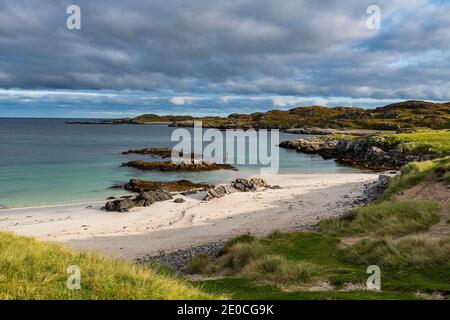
(180, 101)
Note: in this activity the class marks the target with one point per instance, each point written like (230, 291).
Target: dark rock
(111, 206)
(217, 192)
(243, 185)
(125, 205)
(179, 200)
(154, 196)
(180, 259)
(144, 199)
(178, 166)
(137, 185)
(371, 152)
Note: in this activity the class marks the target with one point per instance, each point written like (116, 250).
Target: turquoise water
(45, 161)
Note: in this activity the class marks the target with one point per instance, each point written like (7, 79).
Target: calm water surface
(46, 161)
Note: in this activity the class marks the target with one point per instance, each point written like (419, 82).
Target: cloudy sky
(217, 57)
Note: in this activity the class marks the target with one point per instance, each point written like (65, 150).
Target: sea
(47, 161)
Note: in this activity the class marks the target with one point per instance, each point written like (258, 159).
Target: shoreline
(168, 226)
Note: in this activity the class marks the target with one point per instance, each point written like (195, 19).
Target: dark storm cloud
(283, 47)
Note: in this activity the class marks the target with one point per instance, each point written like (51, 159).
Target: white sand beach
(166, 226)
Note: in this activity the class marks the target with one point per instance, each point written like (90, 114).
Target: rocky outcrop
(107, 122)
(322, 131)
(218, 192)
(178, 166)
(137, 185)
(144, 199)
(245, 185)
(179, 259)
(373, 191)
(238, 185)
(161, 152)
(371, 152)
(324, 147)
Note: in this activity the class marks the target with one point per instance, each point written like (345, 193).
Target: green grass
(30, 269)
(245, 289)
(407, 114)
(244, 238)
(199, 264)
(400, 281)
(415, 172)
(417, 252)
(277, 269)
(282, 265)
(426, 141)
(240, 254)
(385, 218)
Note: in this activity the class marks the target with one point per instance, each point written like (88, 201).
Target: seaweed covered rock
(178, 166)
(137, 185)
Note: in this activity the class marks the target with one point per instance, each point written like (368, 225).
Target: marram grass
(385, 218)
(30, 269)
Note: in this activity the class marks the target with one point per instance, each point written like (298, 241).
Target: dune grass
(416, 252)
(240, 254)
(385, 218)
(30, 269)
(264, 277)
(199, 264)
(277, 269)
(415, 172)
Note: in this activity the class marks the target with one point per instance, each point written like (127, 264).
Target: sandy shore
(302, 201)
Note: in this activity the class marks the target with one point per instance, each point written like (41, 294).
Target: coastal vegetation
(379, 151)
(406, 232)
(402, 115)
(30, 269)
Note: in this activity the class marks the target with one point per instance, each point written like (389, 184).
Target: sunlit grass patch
(385, 218)
(30, 269)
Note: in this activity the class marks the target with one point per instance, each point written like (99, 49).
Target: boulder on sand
(240, 184)
(153, 196)
(144, 199)
(123, 205)
(217, 192)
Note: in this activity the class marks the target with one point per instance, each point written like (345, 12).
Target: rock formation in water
(178, 166)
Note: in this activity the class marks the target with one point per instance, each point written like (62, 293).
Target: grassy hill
(30, 269)
(408, 114)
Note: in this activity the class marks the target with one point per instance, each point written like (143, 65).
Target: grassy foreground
(393, 233)
(30, 269)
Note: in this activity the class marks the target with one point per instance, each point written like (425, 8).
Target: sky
(216, 57)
